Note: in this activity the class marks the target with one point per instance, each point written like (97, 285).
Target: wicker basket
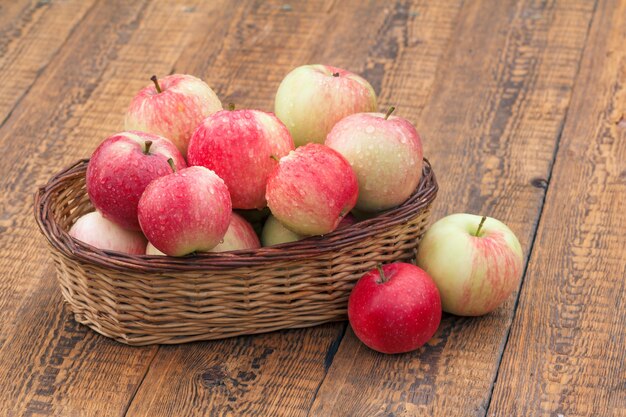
(140, 300)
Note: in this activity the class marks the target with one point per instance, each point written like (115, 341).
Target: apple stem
(383, 277)
(335, 74)
(480, 225)
(231, 106)
(275, 158)
(146, 147)
(171, 163)
(156, 83)
(391, 109)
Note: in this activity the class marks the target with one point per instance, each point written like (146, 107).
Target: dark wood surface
(522, 109)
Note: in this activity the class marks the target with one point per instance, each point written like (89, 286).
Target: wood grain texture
(306, 33)
(490, 128)
(567, 352)
(31, 33)
(66, 369)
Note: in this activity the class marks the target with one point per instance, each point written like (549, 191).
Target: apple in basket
(122, 167)
(173, 107)
(186, 211)
(386, 155)
(274, 233)
(312, 98)
(312, 189)
(475, 262)
(101, 233)
(395, 308)
(242, 147)
(239, 236)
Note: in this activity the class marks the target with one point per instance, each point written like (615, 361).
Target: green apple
(475, 261)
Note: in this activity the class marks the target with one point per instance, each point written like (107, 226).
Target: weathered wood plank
(566, 355)
(261, 45)
(31, 33)
(490, 128)
(48, 364)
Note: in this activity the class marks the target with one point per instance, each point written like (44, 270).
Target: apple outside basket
(141, 300)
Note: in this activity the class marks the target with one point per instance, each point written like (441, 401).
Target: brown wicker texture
(140, 300)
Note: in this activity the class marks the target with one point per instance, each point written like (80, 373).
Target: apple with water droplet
(274, 233)
(312, 98)
(386, 155)
(242, 147)
(186, 211)
(395, 308)
(121, 168)
(475, 261)
(172, 107)
(312, 189)
(101, 233)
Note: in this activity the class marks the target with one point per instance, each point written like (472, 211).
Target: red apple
(312, 189)
(242, 147)
(386, 155)
(101, 233)
(186, 211)
(239, 236)
(173, 107)
(274, 233)
(395, 309)
(476, 262)
(312, 98)
(121, 168)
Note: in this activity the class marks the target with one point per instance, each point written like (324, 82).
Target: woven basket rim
(59, 239)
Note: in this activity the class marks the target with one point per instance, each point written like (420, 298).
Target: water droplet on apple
(370, 129)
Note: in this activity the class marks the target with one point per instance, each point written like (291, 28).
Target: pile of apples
(187, 176)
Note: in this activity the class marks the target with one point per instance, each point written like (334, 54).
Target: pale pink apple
(101, 233)
(312, 189)
(186, 211)
(475, 262)
(121, 168)
(386, 155)
(173, 107)
(242, 147)
(312, 98)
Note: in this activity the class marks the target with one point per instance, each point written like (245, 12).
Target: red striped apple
(386, 155)
(242, 147)
(239, 236)
(312, 189)
(312, 98)
(475, 262)
(173, 107)
(121, 168)
(186, 211)
(101, 233)
(395, 308)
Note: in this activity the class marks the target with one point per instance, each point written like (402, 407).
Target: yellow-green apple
(385, 153)
(312, 98)
(121, 168)
(101, 233)
(312, 189)
(242, 147)
(239, 236)
(274, 233)
(186, 211)
(395, 308)
(173, 107)
(476, 262)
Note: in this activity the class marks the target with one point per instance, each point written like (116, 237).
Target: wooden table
(522, 108)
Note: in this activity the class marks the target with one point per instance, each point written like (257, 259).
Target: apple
(173, 107)
(274, 233)
(386, 155)
(475, 262)
(95, 230)
(312, 189)
(186, 211)
(395, 308)
(121, 168)
(239, 236)
(312, 98)
(242, 147)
